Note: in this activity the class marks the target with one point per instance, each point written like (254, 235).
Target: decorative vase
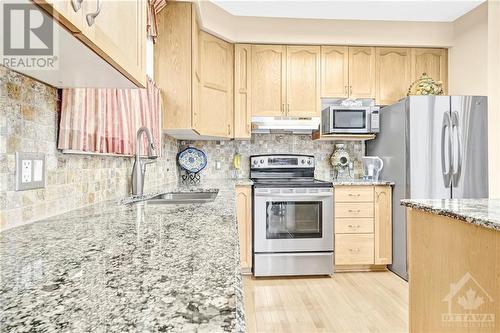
(425, 85)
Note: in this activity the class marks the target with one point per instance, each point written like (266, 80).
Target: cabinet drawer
(353, 210)
(354, 226)
(354, 194)
(354, 249)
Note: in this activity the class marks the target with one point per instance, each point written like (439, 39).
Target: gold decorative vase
(425, 85)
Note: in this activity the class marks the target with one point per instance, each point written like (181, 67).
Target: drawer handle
(77, 4)
(354, 226)
(354, 195)
(357, 211)
(92, 16)
(356, 250)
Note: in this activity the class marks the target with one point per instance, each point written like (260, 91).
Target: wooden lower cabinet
(244, 217)
(351, 249)
(363, 227)
(454, 274)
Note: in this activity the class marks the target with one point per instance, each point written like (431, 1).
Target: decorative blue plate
(192, 160)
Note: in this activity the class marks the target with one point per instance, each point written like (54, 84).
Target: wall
(468, 58)
(28, 123)
(223, 151)
(243, 29)
(494, 97)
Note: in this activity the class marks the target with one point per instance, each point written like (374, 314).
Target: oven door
(293, 220)
(350, 120)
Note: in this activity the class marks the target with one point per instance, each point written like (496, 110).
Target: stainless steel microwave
(344, 118)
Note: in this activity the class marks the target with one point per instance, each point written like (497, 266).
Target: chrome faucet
(139, 169)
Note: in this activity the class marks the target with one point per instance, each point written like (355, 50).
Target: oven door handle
(290, 195)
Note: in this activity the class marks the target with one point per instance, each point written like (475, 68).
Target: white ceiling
(395, 10)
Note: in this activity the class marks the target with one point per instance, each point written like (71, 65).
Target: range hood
(294, 125)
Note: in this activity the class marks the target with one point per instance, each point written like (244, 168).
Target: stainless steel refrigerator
(433, 147)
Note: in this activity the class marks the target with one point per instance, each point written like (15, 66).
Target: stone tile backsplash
(223, 152)
(28, 123)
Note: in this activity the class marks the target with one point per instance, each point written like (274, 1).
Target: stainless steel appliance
(349, 116)
(294, 125)
(433, 147)
(293, 217)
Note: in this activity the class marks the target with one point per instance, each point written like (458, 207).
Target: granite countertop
(115, 267)
(481, 212)
(361, 182)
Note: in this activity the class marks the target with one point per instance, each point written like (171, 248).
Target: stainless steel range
(293, 217)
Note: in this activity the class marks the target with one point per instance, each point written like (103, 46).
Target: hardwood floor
(346, 302)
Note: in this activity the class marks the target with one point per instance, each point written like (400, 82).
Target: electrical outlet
(30, 171)
(26, 171)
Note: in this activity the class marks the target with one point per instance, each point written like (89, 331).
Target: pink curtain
(154, 7)
(107, 120)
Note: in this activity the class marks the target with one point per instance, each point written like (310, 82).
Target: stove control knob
(303, 161)
(261, 161)
(255, 162)
(309, 162)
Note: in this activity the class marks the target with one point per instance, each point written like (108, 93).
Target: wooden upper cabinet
(242, 91)
(216, 87)
(303, 81)
(268, 80)
(68, 12)
(195, 71)
(118, 34)
(383, 225)
(334, 71)
(172, 65)
(361, 72)
(392, 74)
(434, 62)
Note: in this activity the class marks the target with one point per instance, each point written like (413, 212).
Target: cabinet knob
(354, 211)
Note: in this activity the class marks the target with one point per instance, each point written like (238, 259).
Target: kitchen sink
(183, 197)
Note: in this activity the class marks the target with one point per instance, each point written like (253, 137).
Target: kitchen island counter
(480, 212)
(126, 267)
(453, 253)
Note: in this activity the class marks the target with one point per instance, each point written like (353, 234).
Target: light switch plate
(30, 171)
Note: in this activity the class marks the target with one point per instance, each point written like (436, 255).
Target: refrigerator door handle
(446, 128)
(458, 141)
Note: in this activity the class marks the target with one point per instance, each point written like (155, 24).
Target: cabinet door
(216, 88)
(118, 34)
(392, 74)
(303, 81)
(242, 91)
(362, 72)
(383, 225)
(334, 71)
(244, 217)
(173, 60)
(434, 62)
(196, 72)
(268, 80)
(68, 12)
